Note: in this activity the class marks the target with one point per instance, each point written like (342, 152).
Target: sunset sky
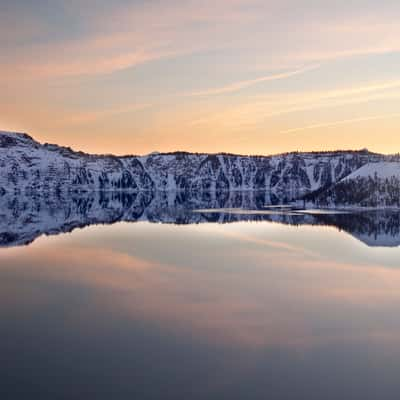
(243, 76)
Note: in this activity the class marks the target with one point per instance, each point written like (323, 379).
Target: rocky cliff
(27, 166)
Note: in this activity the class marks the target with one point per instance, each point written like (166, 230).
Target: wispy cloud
(252, 113)
(131, 35)
(125, 37)
(236, 86)
(294, 102)
(323, 55)
(342, 122)
(96, 65)
(317, 105)
(91, 116)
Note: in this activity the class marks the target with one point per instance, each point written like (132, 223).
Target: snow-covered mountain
(48, 189)
(27, 166)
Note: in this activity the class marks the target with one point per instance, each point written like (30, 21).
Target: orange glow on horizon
(226, 76)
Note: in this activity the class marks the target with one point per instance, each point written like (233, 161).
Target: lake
(121, 295)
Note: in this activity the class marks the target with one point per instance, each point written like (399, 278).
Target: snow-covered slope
(374, 185)
(380, 170)
(28, 166)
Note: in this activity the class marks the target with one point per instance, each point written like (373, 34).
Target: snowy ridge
(27, 166)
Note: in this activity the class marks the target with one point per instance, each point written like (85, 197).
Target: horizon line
(360, 150)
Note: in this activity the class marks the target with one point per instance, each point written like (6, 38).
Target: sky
(241, 76)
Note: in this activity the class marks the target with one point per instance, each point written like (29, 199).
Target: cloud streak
(237, 86)
(91, 116)
(256, 112)
(342, 122)
(132, 35)
(290, 103)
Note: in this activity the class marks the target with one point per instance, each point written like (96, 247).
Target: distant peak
(11, 139)
(19, 135)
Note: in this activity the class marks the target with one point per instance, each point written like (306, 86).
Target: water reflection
(195, 310)
(24, 218)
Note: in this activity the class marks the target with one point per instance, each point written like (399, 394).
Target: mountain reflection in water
(192, 302)
(25, 218)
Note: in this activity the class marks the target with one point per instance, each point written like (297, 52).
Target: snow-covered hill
(380, 170)
(375, 185)
(27, 166)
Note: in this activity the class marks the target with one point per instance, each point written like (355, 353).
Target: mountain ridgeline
(26, 166)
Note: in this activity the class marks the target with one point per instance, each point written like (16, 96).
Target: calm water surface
(245, 310)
